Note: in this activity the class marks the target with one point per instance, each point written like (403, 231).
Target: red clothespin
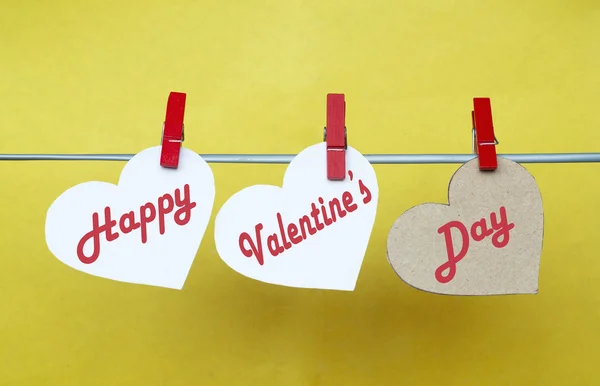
(484, 134)
(173, 133)
(335, 136)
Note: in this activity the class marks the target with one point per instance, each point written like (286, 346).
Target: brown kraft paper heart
(486, 241)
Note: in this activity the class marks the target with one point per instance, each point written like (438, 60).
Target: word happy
(479, 231)
(319, 218)
(148, 213)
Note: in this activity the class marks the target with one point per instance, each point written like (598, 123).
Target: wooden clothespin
(173, 132)
(485, 140)
(335, 136)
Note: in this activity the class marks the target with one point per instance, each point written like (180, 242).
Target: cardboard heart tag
(311, 233)
(145, 230)
(487, 241)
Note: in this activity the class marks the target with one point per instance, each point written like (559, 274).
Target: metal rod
(286, 158)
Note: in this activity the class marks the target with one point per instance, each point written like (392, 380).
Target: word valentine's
(500, 237)
(294, 233)
(128, 222)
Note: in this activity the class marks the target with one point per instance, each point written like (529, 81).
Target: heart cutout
(263, 231)
(469, 246)
(158, 218)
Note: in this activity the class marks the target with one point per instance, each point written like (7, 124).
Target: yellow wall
(94, 76)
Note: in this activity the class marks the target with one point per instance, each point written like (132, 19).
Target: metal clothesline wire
(287, 158)
(381, 159)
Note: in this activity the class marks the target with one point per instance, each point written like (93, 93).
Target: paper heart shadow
(486, 241)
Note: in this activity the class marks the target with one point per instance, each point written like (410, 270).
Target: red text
(322, 214)
(131, 221)
(499, 231)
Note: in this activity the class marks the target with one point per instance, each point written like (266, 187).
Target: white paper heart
(306, 257)
(487, 241)
(149, 200)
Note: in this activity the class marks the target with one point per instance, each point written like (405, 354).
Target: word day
(294, 233)
(479, 231)
(148, 213)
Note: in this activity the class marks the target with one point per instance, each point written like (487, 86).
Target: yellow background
(94, 76)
